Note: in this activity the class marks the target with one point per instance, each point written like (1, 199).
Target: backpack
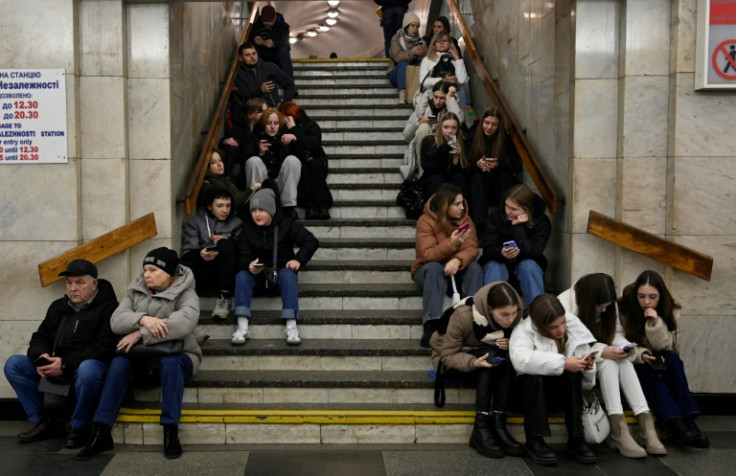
(410, 197)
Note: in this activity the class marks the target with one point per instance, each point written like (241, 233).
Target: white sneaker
(239, 337)
(222, 308)
(402, 96)
(292, 336)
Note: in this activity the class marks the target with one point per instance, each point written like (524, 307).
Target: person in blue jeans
(161, 308)
(649, 317)
(407, 48)
(73, 345)
(513, 241)
(270, 226)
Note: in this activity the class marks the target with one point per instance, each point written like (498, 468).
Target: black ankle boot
(700, 441)
(483, 439)
(510, 446)
(578, 449)
(429, 327)
(680, 434)
(539, 452)
(101, 440)
(172, 447)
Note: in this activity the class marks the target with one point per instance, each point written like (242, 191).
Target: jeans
(666, 390)
(246, 283)
(397, 76)
(174, 370)
(543, 392)
(392, 19)
(616, 376)
(88, 378)
(528, 272)
(435, 285)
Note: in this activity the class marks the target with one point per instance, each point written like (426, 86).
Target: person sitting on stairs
(593, 299)
(269, 227)
(477, 331)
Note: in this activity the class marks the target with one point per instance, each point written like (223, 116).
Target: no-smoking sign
(724, 59)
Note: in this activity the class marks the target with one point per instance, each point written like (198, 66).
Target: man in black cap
(73, 345)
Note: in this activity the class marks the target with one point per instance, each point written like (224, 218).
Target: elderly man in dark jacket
(73, 345)
(258, 78)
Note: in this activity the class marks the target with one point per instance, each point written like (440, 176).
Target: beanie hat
(268, 13)
(409, 18)
(163, 258)
(264, 199)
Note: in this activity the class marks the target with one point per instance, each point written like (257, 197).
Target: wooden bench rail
(653, 246)
(532, 164)
(99, 248)
(200, 168)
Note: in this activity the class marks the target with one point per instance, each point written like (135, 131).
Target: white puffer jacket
(533, 354)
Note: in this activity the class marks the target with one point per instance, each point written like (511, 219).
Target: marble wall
(142, 83)
(616, 120)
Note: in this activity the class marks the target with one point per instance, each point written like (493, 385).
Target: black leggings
(491, 384)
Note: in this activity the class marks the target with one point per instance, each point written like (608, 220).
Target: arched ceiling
(357, 33)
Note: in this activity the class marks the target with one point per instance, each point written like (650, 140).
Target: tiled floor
(50, 458)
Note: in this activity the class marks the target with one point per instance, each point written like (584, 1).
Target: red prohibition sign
(730, 64)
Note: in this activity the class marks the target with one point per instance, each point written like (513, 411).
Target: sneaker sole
(293, 343)
(486, 453)
(541, 461)
(238, 344)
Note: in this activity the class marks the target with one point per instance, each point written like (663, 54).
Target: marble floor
(49, 457)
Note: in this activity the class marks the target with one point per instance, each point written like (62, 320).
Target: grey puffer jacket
(178, 304)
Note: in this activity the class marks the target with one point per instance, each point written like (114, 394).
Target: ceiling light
(292, 40)
(311, 34)
(333, 12)
(331, 21)
(324, 28)
(333, 3)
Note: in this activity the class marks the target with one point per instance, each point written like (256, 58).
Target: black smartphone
(211, 247)
(41, 362)
(271, 77)
(658, 363)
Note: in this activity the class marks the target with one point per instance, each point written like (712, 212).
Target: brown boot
(649, 435)
(621, 438)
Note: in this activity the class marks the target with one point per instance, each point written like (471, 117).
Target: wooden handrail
(542, 182)
(99, 248)
(653, 246)
(200, 168)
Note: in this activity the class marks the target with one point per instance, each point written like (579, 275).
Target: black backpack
(410, 197)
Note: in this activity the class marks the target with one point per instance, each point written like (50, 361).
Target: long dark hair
(489, 146)
(632, 315)
(591, 291)
(544, 310)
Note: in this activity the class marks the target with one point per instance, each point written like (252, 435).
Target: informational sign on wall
(716, 48)
(33, 116)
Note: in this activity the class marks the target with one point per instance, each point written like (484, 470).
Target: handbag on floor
(596, 426)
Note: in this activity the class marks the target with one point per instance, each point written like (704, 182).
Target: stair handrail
(200, 167)
(533, 166)
(650, 245)
(100, 248)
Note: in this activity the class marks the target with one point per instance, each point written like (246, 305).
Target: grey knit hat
(264, 199)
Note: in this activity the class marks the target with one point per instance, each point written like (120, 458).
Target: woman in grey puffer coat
(161, 306)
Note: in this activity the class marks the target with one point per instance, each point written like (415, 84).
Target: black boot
(539, 452)
(483, 439)
(680, 434)
(41, 431)
(101, 440)
(700, 441)
(172, 447)
(429, 327)
(509, 444)
(76, 438)
(578, 449)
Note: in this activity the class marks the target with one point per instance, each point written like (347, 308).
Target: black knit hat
(163, 258)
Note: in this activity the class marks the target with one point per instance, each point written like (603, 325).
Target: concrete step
(393, 123)
(375, 111)
(348, 100)
(363, 135)
(379, 78)
(383, 89)
(365, 209)
(377, 147)
(314, 354)
(356, 272)
(366, 175)
(366, 248)
(347, 228)
(382, 161)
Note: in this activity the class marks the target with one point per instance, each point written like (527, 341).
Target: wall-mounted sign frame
(715, 66)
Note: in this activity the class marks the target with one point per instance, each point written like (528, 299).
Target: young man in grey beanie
(256, 262)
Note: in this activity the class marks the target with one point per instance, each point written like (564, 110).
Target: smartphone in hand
(658, 363)
(258, 265)
(590, 355)
(463, 227)
(41, 362)
(510, 244)
(494, 360)
(629, 346)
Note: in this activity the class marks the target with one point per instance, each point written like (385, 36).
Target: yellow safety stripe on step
(347, 417)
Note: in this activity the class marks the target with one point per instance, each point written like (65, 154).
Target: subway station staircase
(359, 375)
